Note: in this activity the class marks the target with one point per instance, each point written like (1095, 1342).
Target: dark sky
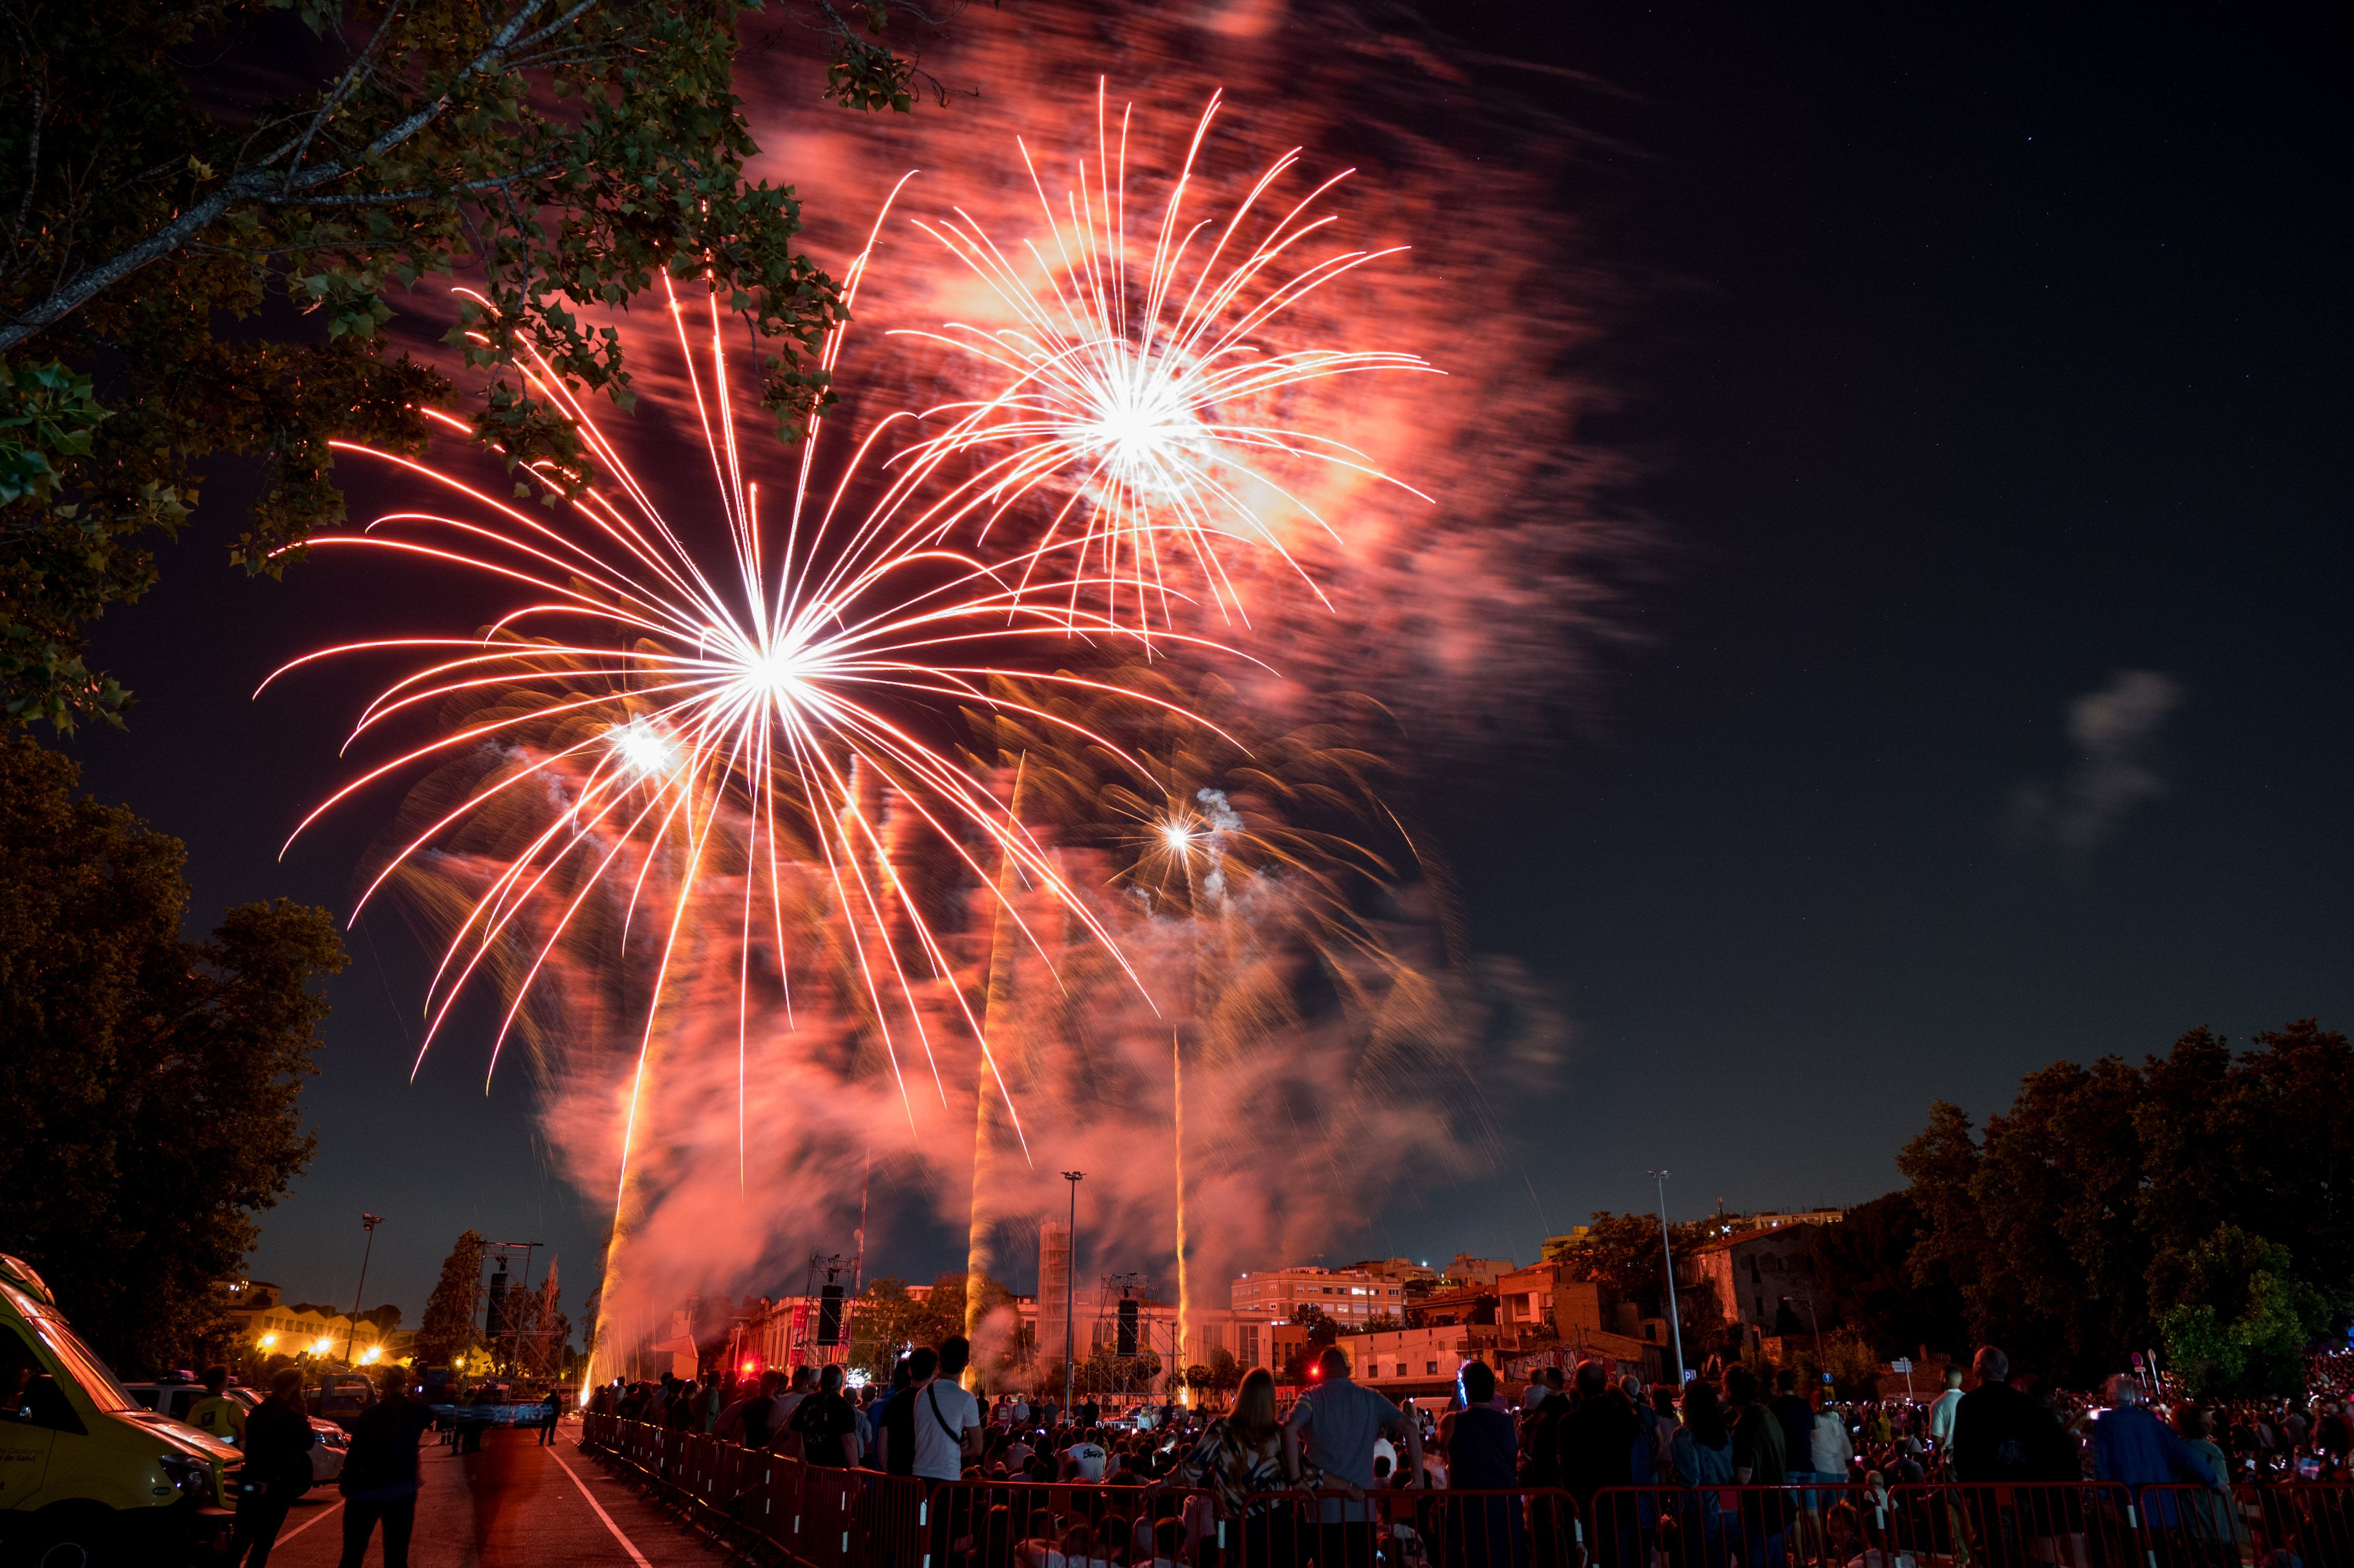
(1989, 368)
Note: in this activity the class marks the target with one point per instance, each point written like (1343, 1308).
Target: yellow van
(86, 1475)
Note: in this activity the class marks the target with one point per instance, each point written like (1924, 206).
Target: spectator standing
(1829, 1448)
(1598, 1436)
(1702, 1451)
(217, 1414)
(551, 1412)
(1797, 1414)
(278, 1442)
(1759, 1459)
(826, 1425)
(1488, 1532)
(879, 1413)
(894, 1434)
(1239, 1458)
(2001, 1434)
(947, 1418)
(1335, 1425)
(1941, 1414)
(2135, 1448)
(379, 1481)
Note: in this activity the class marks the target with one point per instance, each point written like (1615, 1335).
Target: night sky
(1987, 376)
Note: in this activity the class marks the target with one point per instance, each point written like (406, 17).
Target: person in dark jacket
(2002, 1435)
(380, 1481)
(1597, 1442)
(278, 1442)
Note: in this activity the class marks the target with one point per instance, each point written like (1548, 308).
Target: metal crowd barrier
(786, 1510)
(1803, 1524)
(1410, 1527)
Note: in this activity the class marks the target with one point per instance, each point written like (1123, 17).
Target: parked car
(88, 1473)
(341, 1397)
(172, 1399)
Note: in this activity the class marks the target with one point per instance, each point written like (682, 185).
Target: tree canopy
(449, 1330)
(151, 1084)
(2194, 1197)
(227, 258)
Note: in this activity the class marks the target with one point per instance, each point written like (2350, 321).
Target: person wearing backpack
(946, 1418)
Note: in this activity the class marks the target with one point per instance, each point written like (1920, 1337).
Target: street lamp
(368, 1223)
(1817, 1321)
(1668, 1261)
(1070, 1279)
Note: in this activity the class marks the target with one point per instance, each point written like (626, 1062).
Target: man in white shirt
(948, 1419)
(1941, 1414)
(1085, 1459)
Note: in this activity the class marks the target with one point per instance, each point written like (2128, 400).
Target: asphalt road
(513, 1503)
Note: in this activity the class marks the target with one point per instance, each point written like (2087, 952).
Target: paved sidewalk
(515, 1505)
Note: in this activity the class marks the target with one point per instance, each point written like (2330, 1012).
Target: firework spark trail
(769, 691)
(1139, 409)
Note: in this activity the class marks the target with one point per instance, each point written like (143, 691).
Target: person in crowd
(1085, 1459)
(705, 1405)
(1644, 1464)
(825, 1423)
(1759, 1459)
(379, 1482)
(278, 1440)
(1482, 1457)
(879, 1413)
(1701, 1451)
(1336, 1424)
(1941, 1414)
(217, 1414)
(2001, 1434)
(1598, 1436)
(746, 1420)
(1830, 1449)
(2132, 1446)
(1540, 1436)
(1797, 1414)
(946, 1418)
(895, 1435)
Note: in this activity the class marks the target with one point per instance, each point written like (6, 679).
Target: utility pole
(1668, 1261)
(368, 1223)
(1070, 1283)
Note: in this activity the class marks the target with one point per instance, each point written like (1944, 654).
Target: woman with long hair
(1241, 1453)
(1702, 1451)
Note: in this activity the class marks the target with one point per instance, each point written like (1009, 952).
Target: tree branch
(72, 293)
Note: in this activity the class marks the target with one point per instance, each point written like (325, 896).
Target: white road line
(628, 1545)
(314, 1518)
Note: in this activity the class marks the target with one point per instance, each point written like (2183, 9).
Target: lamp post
(1668, 1261)
(1070, 1279)
(368, 1223)
(1815, 1319)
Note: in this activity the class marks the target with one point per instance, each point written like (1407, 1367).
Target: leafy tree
(1869, 1283)
(889, 1320)
(151, 1084)
(2072, 1228)
(231, 265)
(1381, 1323)
(2240, 1319)
(1621, 1254)
(448, 1332)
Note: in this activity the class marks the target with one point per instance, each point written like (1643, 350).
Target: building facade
(1350, 1296)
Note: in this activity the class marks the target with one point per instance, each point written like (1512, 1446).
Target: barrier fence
(781, 1510)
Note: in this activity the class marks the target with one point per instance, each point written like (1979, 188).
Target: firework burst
(747, 712)
(1137, 392)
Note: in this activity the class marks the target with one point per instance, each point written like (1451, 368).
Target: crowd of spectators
(1150, 1486)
